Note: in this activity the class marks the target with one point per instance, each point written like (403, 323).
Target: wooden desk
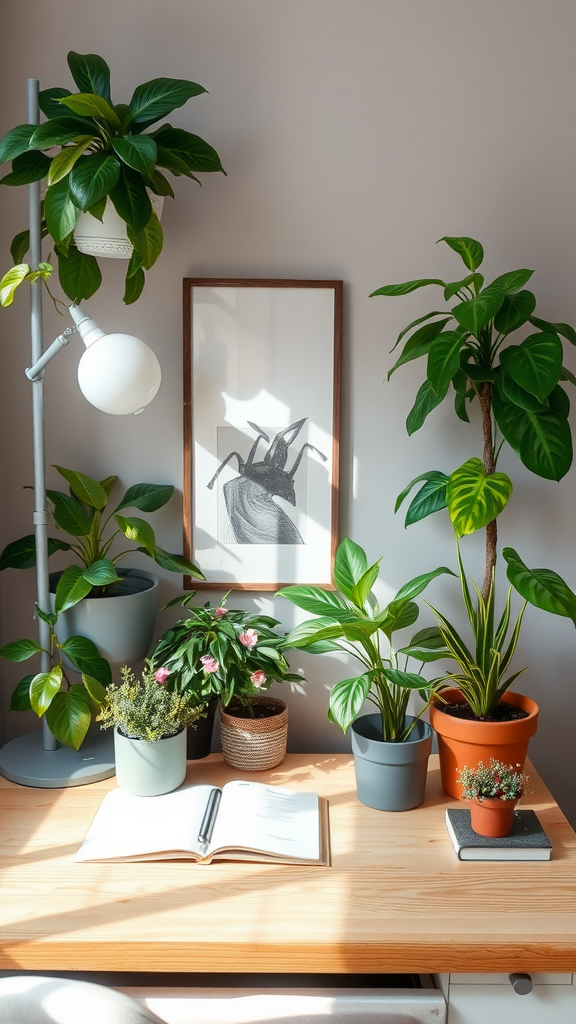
(395, 899)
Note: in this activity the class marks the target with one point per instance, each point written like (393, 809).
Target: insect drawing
(255, 517)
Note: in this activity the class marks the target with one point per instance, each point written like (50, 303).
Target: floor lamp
(118, 374)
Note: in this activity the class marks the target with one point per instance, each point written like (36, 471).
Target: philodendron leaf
(429, 499)
(512, 391)
(514, 311)
(469, 249)
(565, 330)
(66, 159)
(84, 487)
(350, 564)
(131, 200)
(407, 287)
(21, 554)
(542, 440)
(418, 584)
(16, 141)
(80, 647)
(541, 587)
(420, 343)
(146, 497)
(318, 602)
(20, 700)
(347, 698)
(361, 590)
(70, 589)
(97, 668)
(475, 498)
(49, 101)
(11, 281)
(513, 281)
(138, 151)
(148, 242)
(176, 563)
(536, 364)
(20, 650)
(408, 680)
(426, 400)
(44, 688)
(312, 631)
(78, 273)
(93, 178)
(197, 154)
(90, 73)
(88, 104)
(69, 716)
(96, 691)
(474, 314)
(444, 360)
(157, 98)
(27, 168)
(69, 514)
(453, 287)
(60, 212)
(138, 530)
(101, 573)
(59, 131)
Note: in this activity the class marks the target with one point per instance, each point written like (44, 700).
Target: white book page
(128, 826)
(255, 816)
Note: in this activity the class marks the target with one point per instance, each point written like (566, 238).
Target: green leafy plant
(69, 707)
(350, 621)
(82, 514)
(145, 709)
(104, 150)
(497, 781)
(519, 388)
(221, 652)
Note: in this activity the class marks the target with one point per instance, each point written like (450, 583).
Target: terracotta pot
(492, 816)
(464, 743)
(255, 744)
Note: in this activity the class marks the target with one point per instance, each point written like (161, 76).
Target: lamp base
(24, 760)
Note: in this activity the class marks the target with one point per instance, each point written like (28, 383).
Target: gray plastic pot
(150, 769)
(390, 776)
(121, 623)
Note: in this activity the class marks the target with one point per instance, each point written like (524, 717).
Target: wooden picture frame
(261, 431)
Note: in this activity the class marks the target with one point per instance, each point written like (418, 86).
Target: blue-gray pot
(390, 776)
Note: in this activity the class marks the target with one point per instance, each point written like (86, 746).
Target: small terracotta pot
(492, 816)
(464, 743)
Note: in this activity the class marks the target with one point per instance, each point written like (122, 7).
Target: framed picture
(261, 423)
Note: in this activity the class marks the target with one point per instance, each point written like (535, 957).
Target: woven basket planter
(254, 744)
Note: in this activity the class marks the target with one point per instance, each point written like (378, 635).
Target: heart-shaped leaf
(476, 313)
(474, 497)
(514, 311)
(146, 497)
(101, 573)
(93, 178)
(69, 716)
(430, 498)
(536, 364)
(469, 249)
(90, 73)
(11, 281)
(21, 554)
(44, 688)
(78, 273)
(541, 587)
(20, 650)
(20, 700)
(542, 440)
(70, 589)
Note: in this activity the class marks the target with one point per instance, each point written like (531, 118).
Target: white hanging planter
(108, 237)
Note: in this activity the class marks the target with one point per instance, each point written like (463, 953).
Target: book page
(267, 819)
(128, 827)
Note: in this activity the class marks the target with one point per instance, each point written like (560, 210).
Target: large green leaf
(66, 159)
(159, 184)
(44, 688)
(20, 650)
(453, 287)
(21, 554)
(312, 631)
(513, 281)
(509, 389)
(88, 104)
(420, 343)
(101, 573)
(475, 498)
(565, 330)
(407, 287)
(60, 212)
(95, 690)
(363, 588)
(542, 440)
(350, 564)
(174, 163)
(90, 73)
(134, 285)
(69, 716)
(444, 360)
(78, 273)
(430, 498)
(418, 584)
(541, 587)
(16, 141)
(138, 151)
(420, 320)
(426, 400)
(84, 487)
(175, 563)
(148, 242)
(139, 531)
(317, 601)
(408, 680)
(80, 647)
(514, 311)
(131, 199)
(70, 589)
(69, 514)
(197, 154)
(469, 249)
(476, 313)
(27, 168)
(49, 101)
(20, 700)
(11, 281)
(93, 178)
(146, 497)
(536, 364)
(347, 698)
(157, 98)
(60, 130)
(96, 668)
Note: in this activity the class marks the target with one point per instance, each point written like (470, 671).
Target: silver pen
(209, 819)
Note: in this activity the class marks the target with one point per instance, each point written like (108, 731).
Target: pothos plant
(519, 388)
(91, 149)
(82, 513)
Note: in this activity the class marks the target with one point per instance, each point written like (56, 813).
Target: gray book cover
(527, 841)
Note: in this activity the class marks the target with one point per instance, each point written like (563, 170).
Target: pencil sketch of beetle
(255, 518)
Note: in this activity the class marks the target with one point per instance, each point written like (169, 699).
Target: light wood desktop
(396, 898)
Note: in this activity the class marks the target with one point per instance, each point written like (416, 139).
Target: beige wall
(355, 133)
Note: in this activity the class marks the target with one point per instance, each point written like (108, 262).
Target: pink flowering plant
(222, 652)
(145, 709)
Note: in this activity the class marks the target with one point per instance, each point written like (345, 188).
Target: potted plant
(391, 748)
(233, 656)
(107, 160)
(494, 790)
(520, 391)
(69, 707)
(116, 608)
(149, 723)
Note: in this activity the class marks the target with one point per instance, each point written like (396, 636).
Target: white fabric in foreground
(33, 999)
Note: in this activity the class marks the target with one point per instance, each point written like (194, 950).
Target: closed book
(527, 840)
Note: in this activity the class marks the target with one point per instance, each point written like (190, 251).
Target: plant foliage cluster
(144, 709)
(496, 781)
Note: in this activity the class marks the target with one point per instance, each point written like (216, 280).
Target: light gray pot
(390, 776)
(121, 623)
(150, 769)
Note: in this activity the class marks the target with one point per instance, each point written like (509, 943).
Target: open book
(253, 822)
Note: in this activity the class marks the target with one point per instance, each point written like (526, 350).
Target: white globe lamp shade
(119, 374)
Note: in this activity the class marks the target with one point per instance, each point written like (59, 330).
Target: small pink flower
(220, 612)
(249, 638)
(209, 664)
(161, 675)
(258, 678)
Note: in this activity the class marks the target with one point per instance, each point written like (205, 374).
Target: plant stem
(485, 396)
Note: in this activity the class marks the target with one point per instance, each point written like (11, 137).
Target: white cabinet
(491, 999)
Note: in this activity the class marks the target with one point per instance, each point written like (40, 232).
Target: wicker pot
(492, 817)
(255, 744)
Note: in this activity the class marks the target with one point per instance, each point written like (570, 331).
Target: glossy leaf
(478, 374)
(70, 589)
(420, 343)
(101, 573)
(69, 716)
(407, 287)
(541, 587)
(80, 647)
(93, 178)
(159, 97)
(197, 154)
(11, 281)
(69, 515)
(95, 690)
(20, 650)
(470, 250)
(172, 162)
(513, 281)
(146, 497)
(565, 330)
(44, 688)
(63, 163)
(20, 700)
(542, 440)
(131, 200)
(317, 601)
(512, 391)
(408, 680)
(475, 498)
(312, 631)
(97, 668)
(426, 400)
(159, 184)
(536, 364)
(138, 151)
(350, 564)
(139, 531)
(49, 101)
(88, 104)
(363, 588)
(452, 289)
(347, 699)
(90, 73)
(444, 360)
(21, 554)
(98, 208)
(78, 273)
(514, 311)
(148, 243)
(60, 212)
(134, 285)
(60, 130)
(27, 168)
(429, 499)
(49, 617)
(476, 313)
(84, 487)
(418, 584)
(176, 563)
(16, 141)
